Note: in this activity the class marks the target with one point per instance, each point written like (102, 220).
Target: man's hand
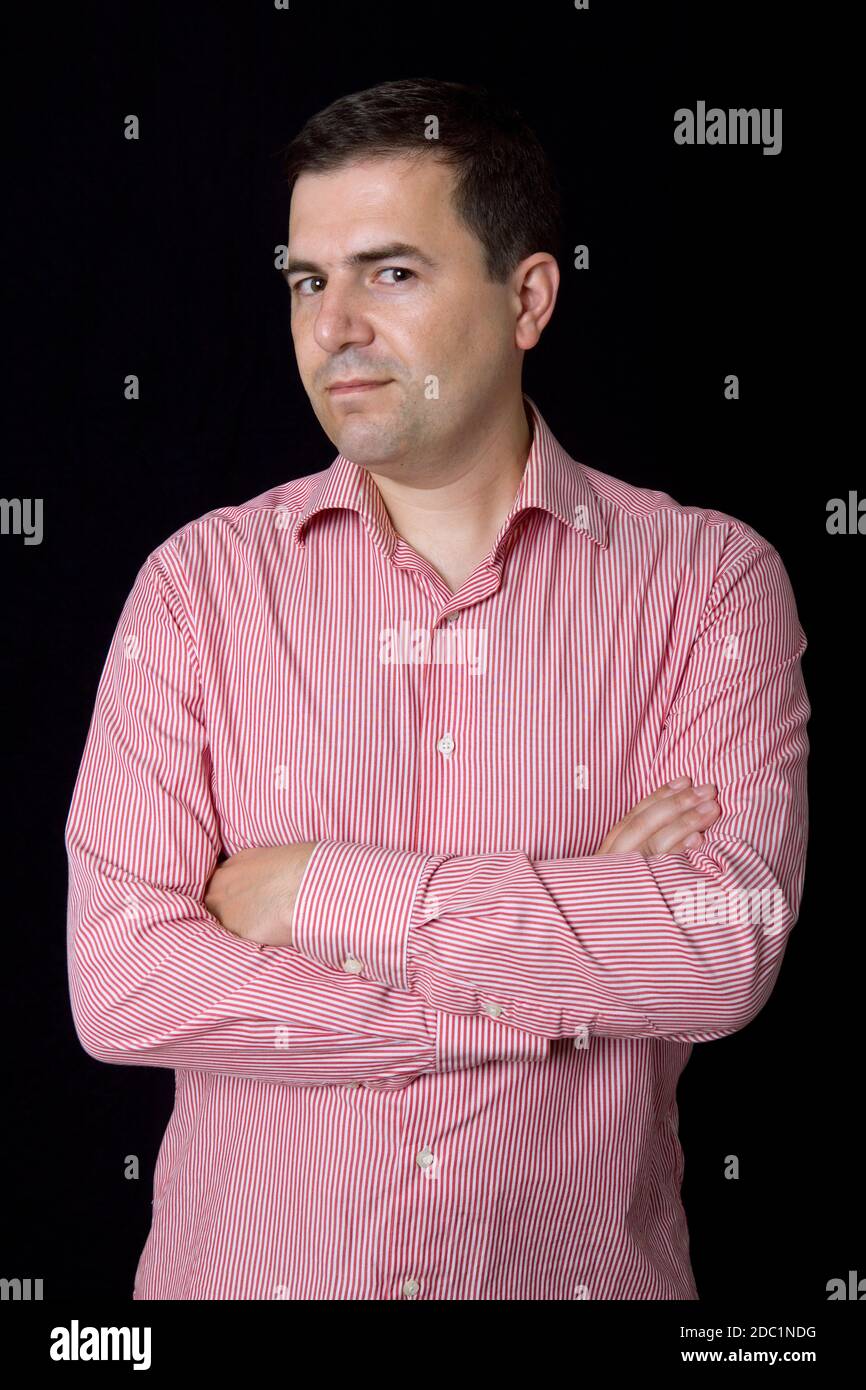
(252, 893)
(671, 818)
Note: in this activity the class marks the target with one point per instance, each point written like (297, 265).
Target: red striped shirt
(459, 1082)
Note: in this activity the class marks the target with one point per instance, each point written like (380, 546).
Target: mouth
(349, 388)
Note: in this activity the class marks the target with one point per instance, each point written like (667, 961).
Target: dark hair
(505, 189)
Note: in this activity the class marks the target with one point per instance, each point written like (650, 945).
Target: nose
(339, 323)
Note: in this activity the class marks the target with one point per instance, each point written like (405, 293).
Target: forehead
(382, 198)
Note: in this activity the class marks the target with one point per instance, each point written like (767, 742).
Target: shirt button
(424, 1158)
(410, 1287)
(353, 1083)
(352, 965)
(494, 1010)
(446, 745)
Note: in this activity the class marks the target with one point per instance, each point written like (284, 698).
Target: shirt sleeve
(685, 946)
(154, 978)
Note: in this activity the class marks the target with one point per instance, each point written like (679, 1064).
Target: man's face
(429, 324)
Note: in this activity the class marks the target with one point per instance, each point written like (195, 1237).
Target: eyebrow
(394, 250)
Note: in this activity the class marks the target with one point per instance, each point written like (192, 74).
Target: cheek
(438, 333)
(303, 344)
(300, 330)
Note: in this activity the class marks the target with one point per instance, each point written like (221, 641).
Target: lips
(344, 390)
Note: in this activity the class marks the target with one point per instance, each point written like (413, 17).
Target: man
(504, 760)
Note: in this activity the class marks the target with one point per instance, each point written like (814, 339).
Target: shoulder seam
(155, 561)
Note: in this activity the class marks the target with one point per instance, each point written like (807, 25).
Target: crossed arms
(464, 959)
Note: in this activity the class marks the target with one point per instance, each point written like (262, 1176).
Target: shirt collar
(552, 481)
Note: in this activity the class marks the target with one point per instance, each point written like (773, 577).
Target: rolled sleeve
(353, 909)
(469, 1040)
(356, 909)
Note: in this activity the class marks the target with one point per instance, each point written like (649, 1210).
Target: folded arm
(154, 979)
(683, 945)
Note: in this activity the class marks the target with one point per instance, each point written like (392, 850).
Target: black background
(156, 257)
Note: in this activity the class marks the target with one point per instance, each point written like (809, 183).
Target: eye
(397, 270)
(296, 288)
(386, 270)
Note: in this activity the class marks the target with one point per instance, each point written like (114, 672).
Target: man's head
(428, 264)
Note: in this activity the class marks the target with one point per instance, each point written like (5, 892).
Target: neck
(460, 508)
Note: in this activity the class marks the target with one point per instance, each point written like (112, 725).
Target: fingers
(662, 793)
(686, 831)
(659, 823)
(670, 819)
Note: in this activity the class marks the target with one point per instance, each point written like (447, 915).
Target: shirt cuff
(469, 1040)
(353, 907)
